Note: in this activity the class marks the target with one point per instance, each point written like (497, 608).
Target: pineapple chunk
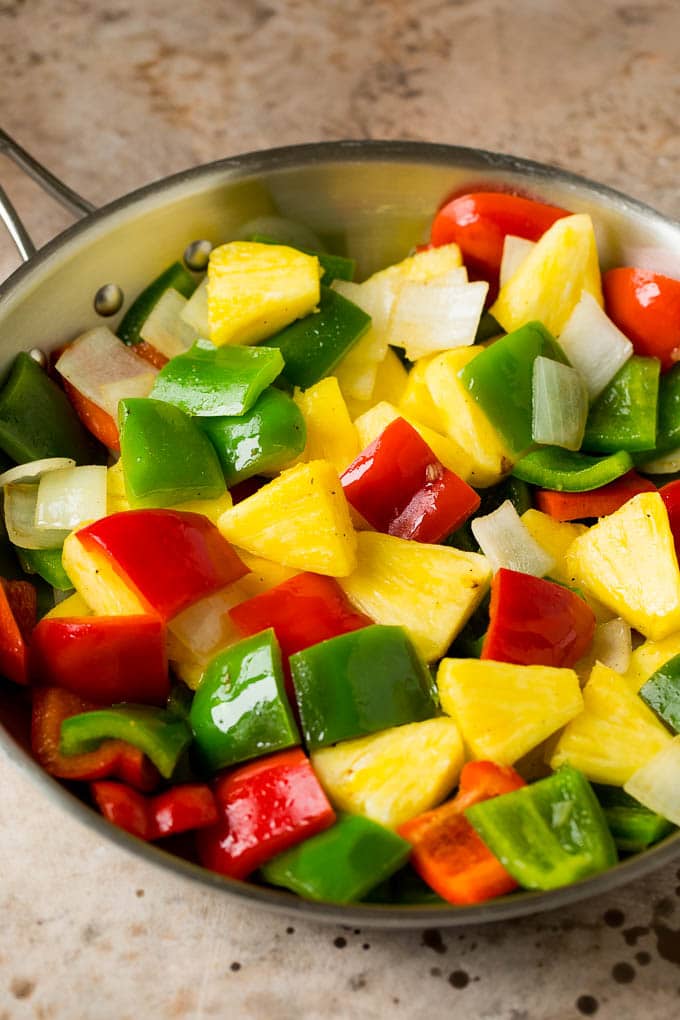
(463, 419)
(254, 290)
(74, 605)
(614, 735)
(503, 710)
(264, 574)
(650, 656)
(627, 561)
(417, 401)
(430, 590)
(96, 581)
(370, 424)
(331, 435)
(394, 775)
(548, 283)
(390, 384)
(299, 519)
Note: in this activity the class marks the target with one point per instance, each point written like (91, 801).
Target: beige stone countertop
(113, 95)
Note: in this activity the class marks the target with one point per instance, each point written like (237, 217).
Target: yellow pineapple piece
(254, 290)
(73, 605)
(370, 424)
(116, 496)
(650, 656)
(390, 382)
(614, 735)
(264, 574)
(394, 775)
(331, 435)
(417, 400)
(430, 590)
(627, 561)
(503, 710)
(463, 419)
(548, 283)
(299, 519)
(95, 580)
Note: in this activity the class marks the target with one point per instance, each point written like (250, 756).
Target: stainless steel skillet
(374, 199)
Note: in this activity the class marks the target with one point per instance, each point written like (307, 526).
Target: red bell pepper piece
(480, 221)
(106, 659)
(266, 807)
(18, 603)
(646, 307)
(574, 506)
(670, 494)
(447, 852)
(150, 354)
(95, 418)
(170, 558)
(113, 758)
(536, 622)
(176, 810)
(399, 487)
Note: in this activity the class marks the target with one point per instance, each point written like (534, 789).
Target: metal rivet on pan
(39, 356)
(108, 300)
(196, 255)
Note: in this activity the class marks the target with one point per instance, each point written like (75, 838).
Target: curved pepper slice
(479, 222)
(113, 758)
(624, 416)
(447, 852)
(179, 809)
(566, 470)
(103, 658)
(160, 734)
(399, 486)
(536, 622)
(18, 607)
(574, 506)
(646, 307)
(265, 808)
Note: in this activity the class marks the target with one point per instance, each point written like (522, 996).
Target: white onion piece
(20, 502)
(70, 497)
(290, 232)
(594, 345)
(657, 783)
(376, 297)
(164, 329)
(104, 370)
(612, 644)
(506, 542)
(205, 627)
(559, 405)
(34, 470)
(195, 311)
(666, 464)
(515, 250)
(436, 316)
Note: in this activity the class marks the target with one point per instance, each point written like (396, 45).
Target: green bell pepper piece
(570, 471)
(488, 328)
(510, 488)
(180, 700)
(358, 683)
(166, 459)
(264, 439)
(624, 415)
(548, 834)
(210, 381)
(240, 709)
(37, 420)
(500, 380)
(47, 563)
(335, 267)
(341, 864)
(160, 734)
(668, 424)
(633, 826)
(313, 346)
(175, 277)
(662, 692)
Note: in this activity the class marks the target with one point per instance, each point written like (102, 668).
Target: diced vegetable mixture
(370, 587)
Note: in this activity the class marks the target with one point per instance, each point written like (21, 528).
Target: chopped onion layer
(506, 542)
(657, 784)
(666, 464)
(515, 250)
(560, 405)
(436, 316)
(164, 328)
(612, 644)
(594, 345)
(34, 470)
(70, 497)
(21, 500)
(195, 312)
(104, 370)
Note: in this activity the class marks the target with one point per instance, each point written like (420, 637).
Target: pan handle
(48, 182)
